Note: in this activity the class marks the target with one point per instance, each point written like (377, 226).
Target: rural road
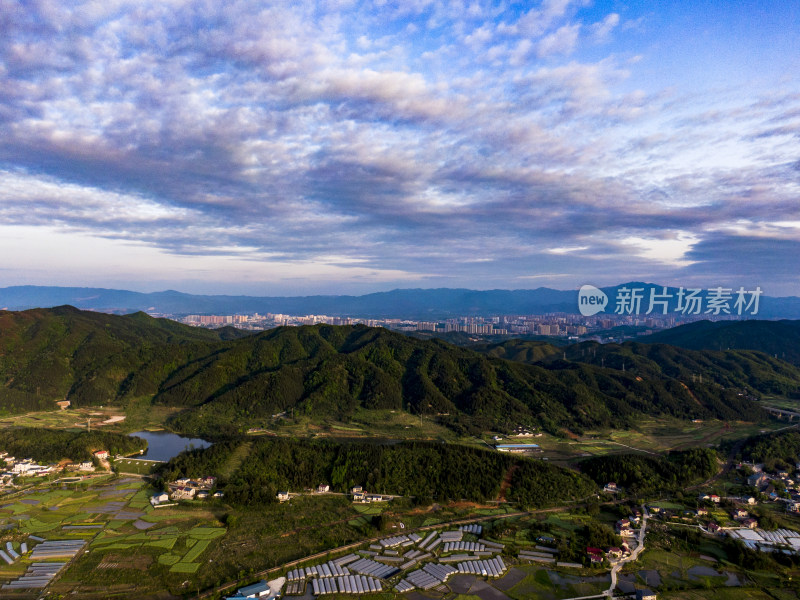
(634, 555)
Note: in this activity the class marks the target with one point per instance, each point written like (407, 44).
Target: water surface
(163, 445)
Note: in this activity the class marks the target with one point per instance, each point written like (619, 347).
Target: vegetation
(224, 386)
(52, 445)
(422, 470)
(776, 338)
(778, 451)
(647, 474)
(748, 372)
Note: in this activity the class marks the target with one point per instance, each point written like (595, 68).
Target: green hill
(751, 372)
(64, 353)
(424, 470)
(332, 372)
(780, 339)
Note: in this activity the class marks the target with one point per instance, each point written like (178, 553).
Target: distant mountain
(780, 339)
(409, 303)
(324, 372)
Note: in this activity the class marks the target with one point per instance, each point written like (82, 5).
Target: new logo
(591, 300)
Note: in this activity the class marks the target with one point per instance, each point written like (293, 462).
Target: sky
(270, 148)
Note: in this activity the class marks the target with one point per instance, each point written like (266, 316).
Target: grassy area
(650, 435)
(137, 466)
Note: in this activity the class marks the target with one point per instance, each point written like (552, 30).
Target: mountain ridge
(331, 372)
(419, 303)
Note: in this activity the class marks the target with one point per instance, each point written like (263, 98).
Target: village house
(645, 595)
(740, 513)
(712, 528)
(611, 488)
(756, 480)
(614, 552)
(101, 455)
(183, 493)
(624, 527)
(595, 555)
(160, 498)
(283, 496)
(323, 488)
(750, 523)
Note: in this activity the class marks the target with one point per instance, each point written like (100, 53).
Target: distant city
(565, 325)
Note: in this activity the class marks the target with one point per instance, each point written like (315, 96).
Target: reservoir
(163, 445)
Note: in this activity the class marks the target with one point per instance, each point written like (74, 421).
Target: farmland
(126, 535)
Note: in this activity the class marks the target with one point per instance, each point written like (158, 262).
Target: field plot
(127, 537)
(650, 436)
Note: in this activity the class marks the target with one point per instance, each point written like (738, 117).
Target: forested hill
(424, 470)
(780, 339)
(65, 353)
(226, 386)
(749, 371)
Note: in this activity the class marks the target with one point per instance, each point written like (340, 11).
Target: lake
(163, 445)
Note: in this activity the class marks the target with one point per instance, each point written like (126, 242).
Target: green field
(118, 548)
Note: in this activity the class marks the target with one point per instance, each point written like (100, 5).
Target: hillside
(752, 372)
(779, 339)
(332, 372)
(64, 353)
(449, 472)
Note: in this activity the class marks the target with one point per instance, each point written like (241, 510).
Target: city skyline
(349, 147)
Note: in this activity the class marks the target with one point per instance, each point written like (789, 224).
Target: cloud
(402, 139)
(561, 41)
(602, 29)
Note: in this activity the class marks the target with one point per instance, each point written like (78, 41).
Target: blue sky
(349, 147)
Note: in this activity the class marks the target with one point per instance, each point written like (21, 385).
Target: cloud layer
(330, 146)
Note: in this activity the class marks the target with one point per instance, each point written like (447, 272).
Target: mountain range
(406, 303)
(228, 381)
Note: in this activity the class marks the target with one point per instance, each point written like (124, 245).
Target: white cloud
(561, 41)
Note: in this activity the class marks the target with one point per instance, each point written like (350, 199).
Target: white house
(160, 498)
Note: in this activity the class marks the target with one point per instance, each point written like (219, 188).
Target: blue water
(163, 445)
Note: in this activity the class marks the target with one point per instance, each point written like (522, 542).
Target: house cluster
(30, 468)
(742, 516)
(22, 468)
(625, 526)
(598, 555)
(322, 488)
(187, 489)
(524, 432)
(359, 495)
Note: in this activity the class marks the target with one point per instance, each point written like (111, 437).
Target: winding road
(633, 556)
